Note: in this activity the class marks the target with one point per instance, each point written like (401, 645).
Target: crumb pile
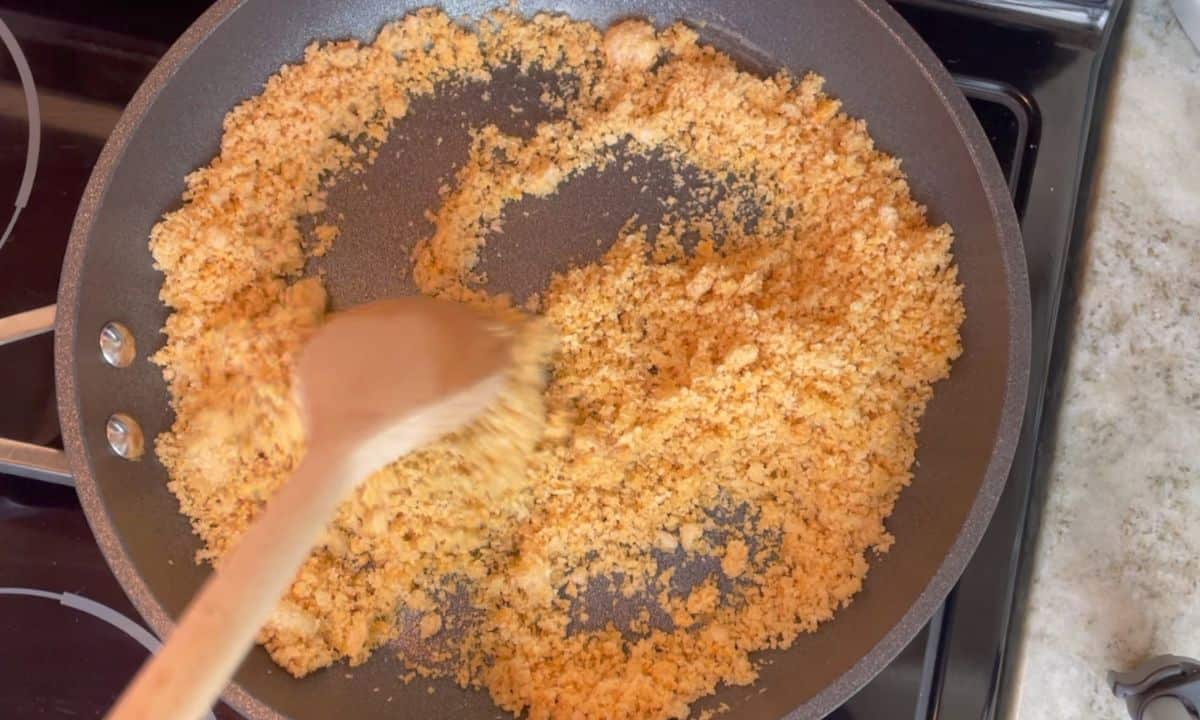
(746, 406)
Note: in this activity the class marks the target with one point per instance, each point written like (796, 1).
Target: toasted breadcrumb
(325, 235)
(753, 399)
(631, 45)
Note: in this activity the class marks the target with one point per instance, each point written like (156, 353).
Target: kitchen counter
(1117, 570)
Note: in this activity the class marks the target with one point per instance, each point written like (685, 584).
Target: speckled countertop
(1117, 573)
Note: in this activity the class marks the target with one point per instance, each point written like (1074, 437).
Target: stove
(1036, 75)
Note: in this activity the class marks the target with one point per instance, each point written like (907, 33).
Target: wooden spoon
(374, 383)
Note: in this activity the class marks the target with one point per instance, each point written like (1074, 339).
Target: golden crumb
(325, 235)
(733, 562)
(631, 45)
(710, 714)
(431, 623)
(751, 401)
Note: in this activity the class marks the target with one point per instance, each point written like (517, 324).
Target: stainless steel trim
(34, 461)
(117, 346)
(26, 324)
(124, 436)
(1085, 15)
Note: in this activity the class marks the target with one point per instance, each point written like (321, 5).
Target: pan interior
(874, 76)
(382, 211)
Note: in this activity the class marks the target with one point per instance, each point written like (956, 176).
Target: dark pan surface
(872, 62)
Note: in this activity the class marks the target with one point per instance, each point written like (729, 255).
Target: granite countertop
(1117, 571)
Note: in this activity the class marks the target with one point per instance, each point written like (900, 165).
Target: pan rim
(995, 190)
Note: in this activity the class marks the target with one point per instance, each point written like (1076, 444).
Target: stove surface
(1033, 73)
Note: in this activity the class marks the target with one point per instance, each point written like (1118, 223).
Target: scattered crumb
(733, 563)
(325, 235)
(631, 46)
(721, 709)
(431, 623)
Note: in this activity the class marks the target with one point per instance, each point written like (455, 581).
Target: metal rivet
(125, 436)
(117, 345)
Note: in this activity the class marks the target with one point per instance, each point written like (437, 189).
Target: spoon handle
(219, 626)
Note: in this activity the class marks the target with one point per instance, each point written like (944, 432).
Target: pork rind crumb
(752, 399)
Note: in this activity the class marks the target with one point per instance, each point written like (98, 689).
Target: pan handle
(25, 459)
(34, 461)
(26, 324)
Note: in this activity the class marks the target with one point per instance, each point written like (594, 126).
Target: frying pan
(872, 61)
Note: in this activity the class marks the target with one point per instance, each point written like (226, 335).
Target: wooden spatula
(374, 383)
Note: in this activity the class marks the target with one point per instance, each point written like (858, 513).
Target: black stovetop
(1035, 74)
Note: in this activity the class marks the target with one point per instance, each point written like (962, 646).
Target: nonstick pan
(873, 62)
